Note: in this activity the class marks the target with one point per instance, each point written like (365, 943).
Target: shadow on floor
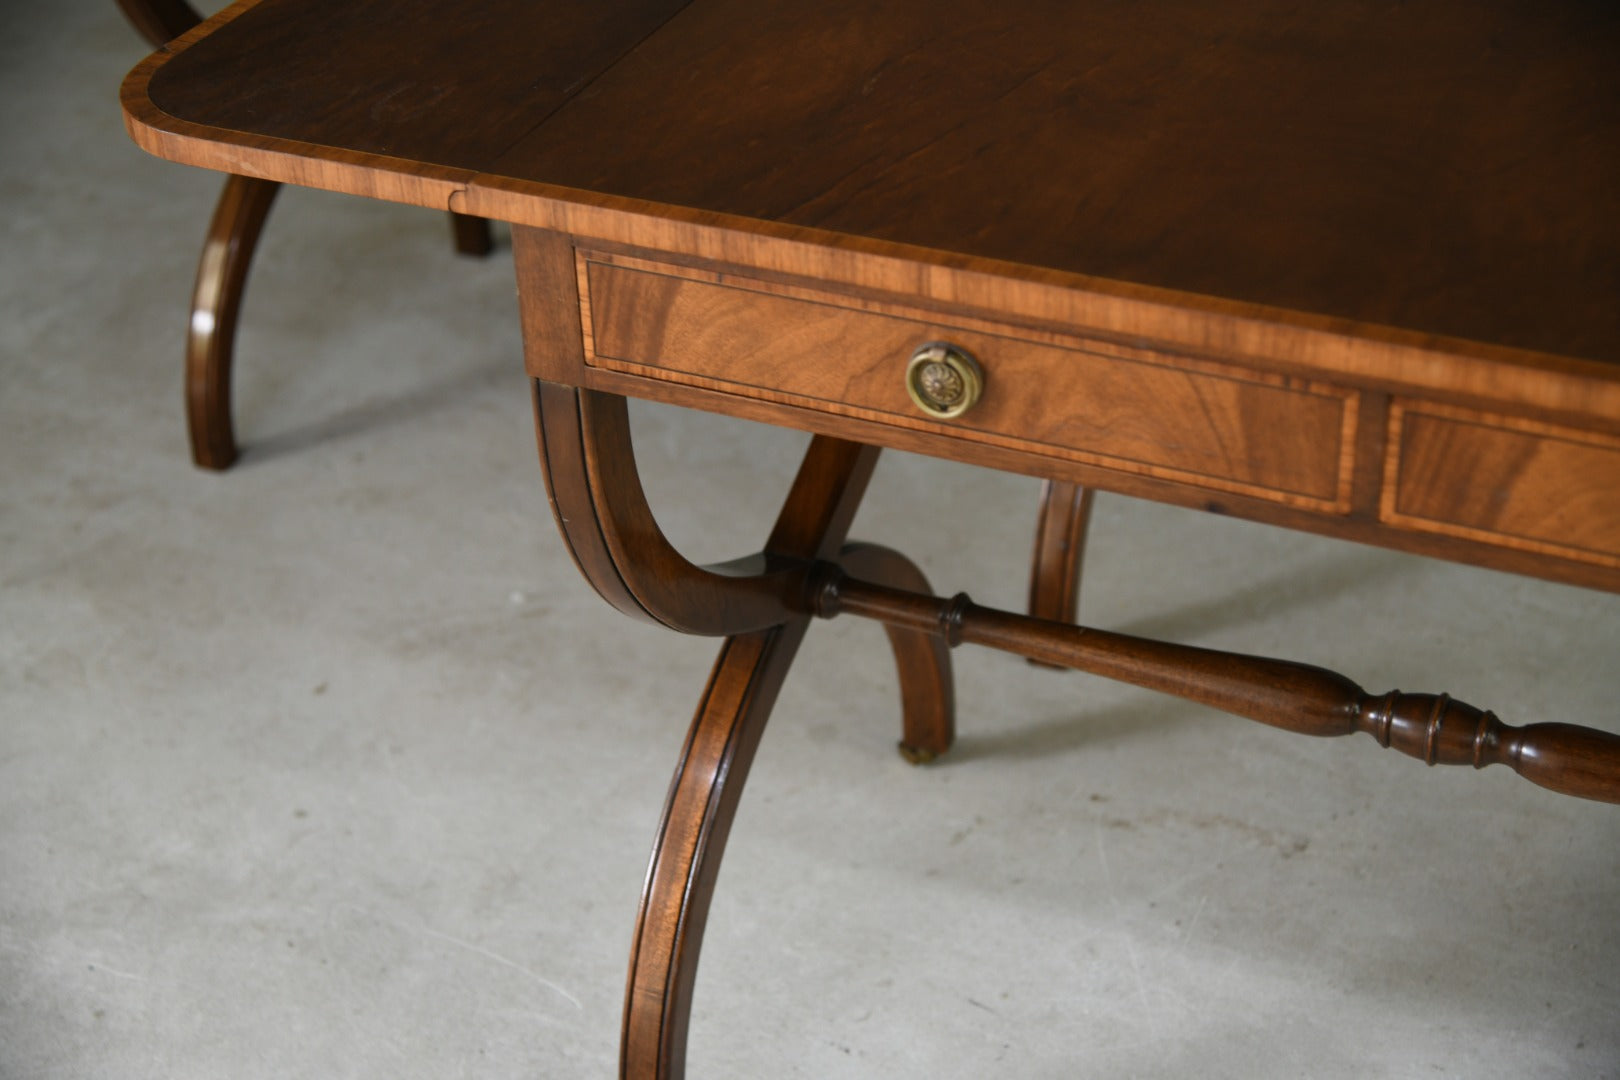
(409, 407)
(1301, 587)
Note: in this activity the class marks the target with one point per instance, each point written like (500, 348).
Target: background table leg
(1060, 549)
(927, 689)
(223, 267)
(222, 272)
(160, 21)
(471, 234)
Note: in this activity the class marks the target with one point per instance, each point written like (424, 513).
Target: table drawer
(1133, 410)
(1506, 481)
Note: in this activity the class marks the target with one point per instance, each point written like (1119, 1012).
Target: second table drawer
(1228, 429)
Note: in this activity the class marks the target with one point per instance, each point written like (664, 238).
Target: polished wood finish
(1131, 410)
(761, 602)
(1125, 125)
(720, 747)
(222, 269)
(160, 21)
(1191, 264)
(499, 166)
(1060, 550)
(278, 120)
(714, 764)
(686, 855)
(216, 301)
(1468, 189)
(1521, 483)
(1296, 697)
(760, 343)
(923, 660)
(589, 465)
(221, 284)
(471, 235)
(597, 498)
(588, 460)
(490, 70)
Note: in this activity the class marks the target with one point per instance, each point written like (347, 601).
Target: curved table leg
(703, 798)
(216, 300)
(471, 235)
(1060, 549)
(762, 604)
(223, 266)
(927, 691)
(691, 839)
(160, 21)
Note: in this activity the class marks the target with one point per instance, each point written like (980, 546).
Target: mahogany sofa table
(1345, 267)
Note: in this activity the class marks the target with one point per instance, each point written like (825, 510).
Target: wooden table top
(1449, 168)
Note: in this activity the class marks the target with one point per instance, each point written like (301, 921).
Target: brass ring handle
(943, 380)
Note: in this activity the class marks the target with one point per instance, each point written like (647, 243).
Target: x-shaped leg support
(762, 605)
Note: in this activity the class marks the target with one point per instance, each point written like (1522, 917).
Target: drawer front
(1132, 410)
(1505, 481)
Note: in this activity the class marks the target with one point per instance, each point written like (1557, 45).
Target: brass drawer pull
(943, 380)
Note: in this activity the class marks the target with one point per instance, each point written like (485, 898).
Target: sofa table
(1352, 268)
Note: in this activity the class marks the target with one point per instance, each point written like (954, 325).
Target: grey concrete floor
(331, 766)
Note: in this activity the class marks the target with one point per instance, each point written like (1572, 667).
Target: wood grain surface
(1350, 266)
(1537, 487)
(1451, 168)
(444, 82)
(1225, 428)
(1350, 203)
